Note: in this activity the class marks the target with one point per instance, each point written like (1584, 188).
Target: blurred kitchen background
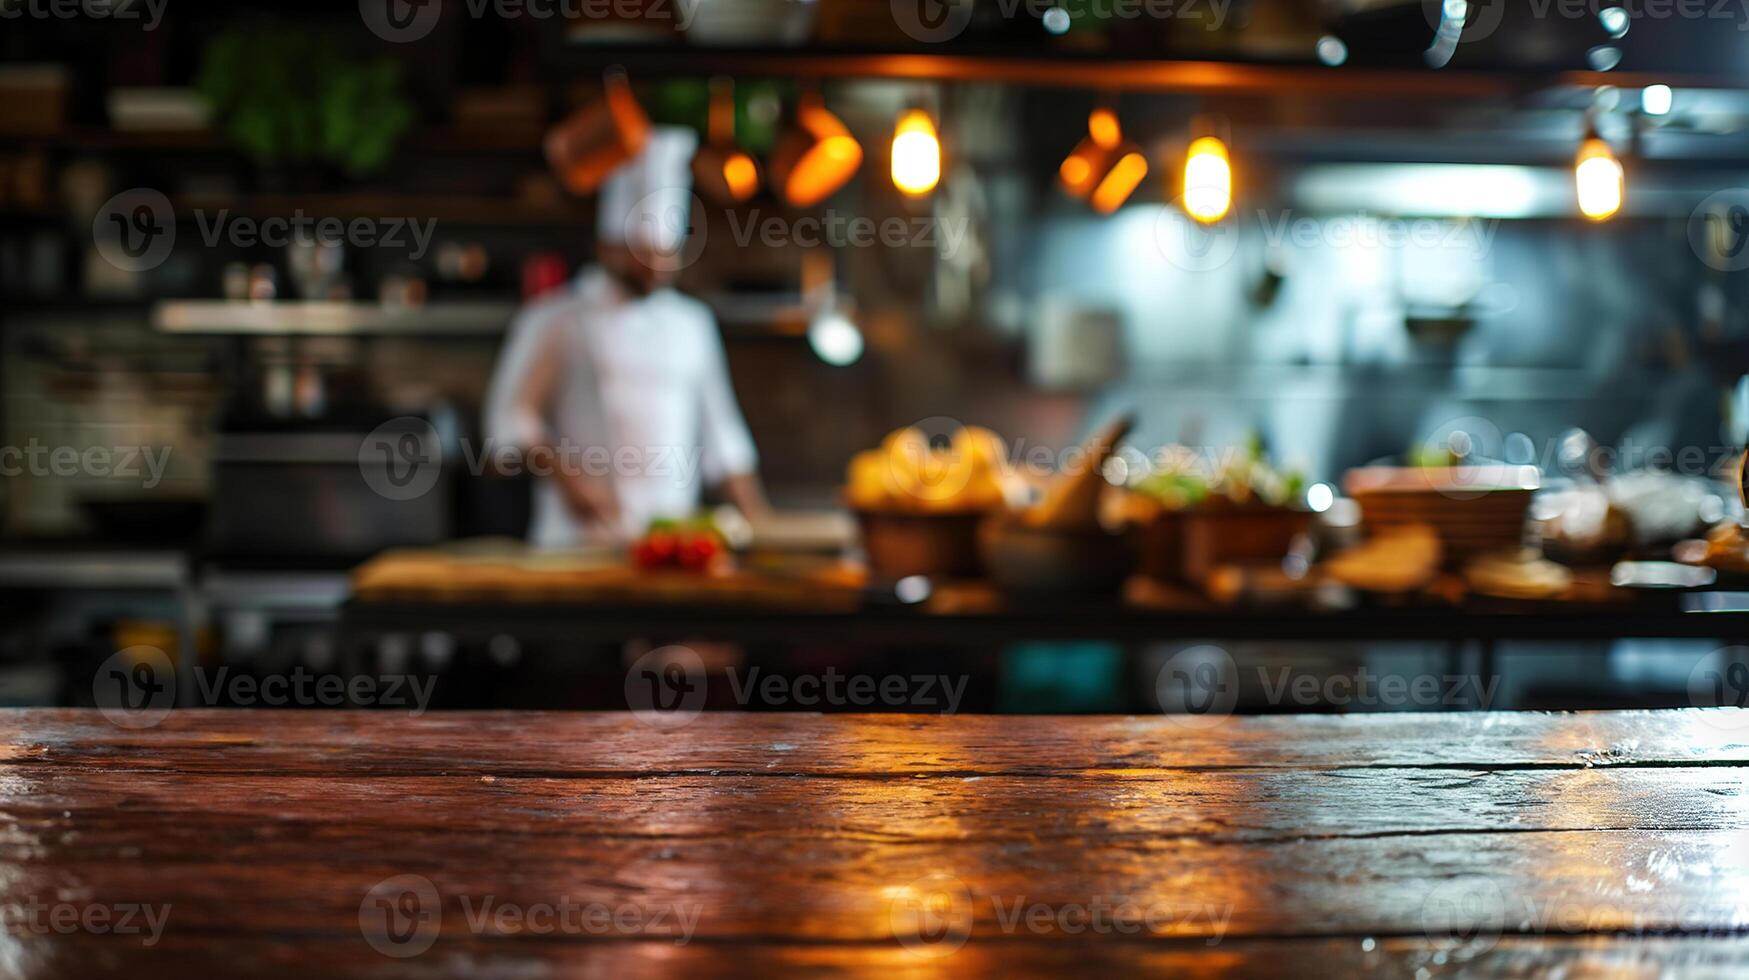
(1504, 313)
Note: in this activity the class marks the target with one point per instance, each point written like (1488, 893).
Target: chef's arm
(747, 493)
(523, 389)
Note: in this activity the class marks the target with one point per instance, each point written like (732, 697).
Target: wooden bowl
(1035, 561)
(1188, 545)
(900, 544)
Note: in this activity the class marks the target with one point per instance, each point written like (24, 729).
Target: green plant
(293, 97)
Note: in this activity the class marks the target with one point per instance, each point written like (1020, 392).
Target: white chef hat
(647, 202)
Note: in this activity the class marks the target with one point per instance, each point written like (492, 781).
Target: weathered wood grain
(757, 843)
(1259, 805)
(614, 744)
(1584, 957)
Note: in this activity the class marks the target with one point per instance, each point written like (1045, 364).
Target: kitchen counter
(373, 843)
(479, 596)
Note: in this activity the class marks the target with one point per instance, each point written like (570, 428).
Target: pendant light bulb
(916, 154)
(1598, 178)
(1208, 180)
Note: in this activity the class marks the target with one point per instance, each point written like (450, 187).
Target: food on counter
(1581, 525)
(1520, 574)
(1241, 480)
(1195, 519)
(1072, 499)
(908, 475)
(1397, 560)
(1058, 546)
(1476, 510)
(694, 546)
(1726, 549)
(918, 506)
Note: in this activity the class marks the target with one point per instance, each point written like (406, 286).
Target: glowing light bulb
(1208, 180)
(916, 154)
(1656, 100)
(741, 176)
(835, 339)
(1597, 175)
(815, 157)
(1102, 126)
(1119, 182)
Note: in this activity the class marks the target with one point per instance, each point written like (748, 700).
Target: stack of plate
(1476, 510)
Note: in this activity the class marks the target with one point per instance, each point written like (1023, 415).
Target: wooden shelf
(333, 319)
(460, 209)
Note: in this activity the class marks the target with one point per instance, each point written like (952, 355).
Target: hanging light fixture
(592, 142)
(1598, 177)
(1103, 169)
(832, 334)
(1208, 174)
(815, 156)
(723, 171)
(916, 153)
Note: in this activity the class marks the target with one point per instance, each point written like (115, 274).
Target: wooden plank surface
(1473, 844)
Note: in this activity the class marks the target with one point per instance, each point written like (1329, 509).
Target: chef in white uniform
(617, 390)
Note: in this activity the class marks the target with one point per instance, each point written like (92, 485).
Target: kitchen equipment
(35, 96)
(752, 23)
(1076, 561)
(902, 544)
(590, 143)
(1072, 499)
(158, 110)
(1475, 510)
(303, 490)
(145, 519)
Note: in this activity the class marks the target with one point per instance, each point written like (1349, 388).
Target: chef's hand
(591, 499)
(746, 492)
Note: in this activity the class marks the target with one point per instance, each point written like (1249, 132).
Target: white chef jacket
(642, 400)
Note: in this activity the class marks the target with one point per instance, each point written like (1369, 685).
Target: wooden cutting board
(434, 575)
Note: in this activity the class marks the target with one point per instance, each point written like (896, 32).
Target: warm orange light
(816, 157)
(916, 154)
(1103, 128)
(740, 176)
(1597, 175)
(1101, 165)
(1120, 181)
(1208, 180)
(1075, 171)
(597, 139)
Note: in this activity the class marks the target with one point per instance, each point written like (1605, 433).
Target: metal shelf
(331, 318)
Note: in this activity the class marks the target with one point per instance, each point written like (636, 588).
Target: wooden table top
(281, 843)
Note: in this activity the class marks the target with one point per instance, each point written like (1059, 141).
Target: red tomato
(658, 549)
(698, 550)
